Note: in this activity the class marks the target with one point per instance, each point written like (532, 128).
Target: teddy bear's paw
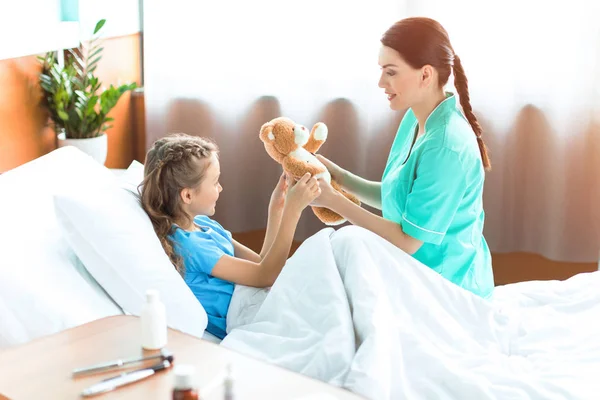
(321, 132)
(301, 135)
(335, 223)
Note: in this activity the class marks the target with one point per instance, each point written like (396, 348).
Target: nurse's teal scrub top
(434, 191)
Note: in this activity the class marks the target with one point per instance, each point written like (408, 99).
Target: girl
(180, 191)
(431, 191)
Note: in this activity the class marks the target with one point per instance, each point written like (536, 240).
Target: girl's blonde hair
(174, 163)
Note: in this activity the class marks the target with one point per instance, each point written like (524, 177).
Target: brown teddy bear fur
(294, 148)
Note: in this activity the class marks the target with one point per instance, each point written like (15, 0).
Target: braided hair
(174, 162)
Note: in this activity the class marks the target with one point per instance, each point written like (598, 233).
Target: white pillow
(44, 287)
(114, 238)
(132, 176)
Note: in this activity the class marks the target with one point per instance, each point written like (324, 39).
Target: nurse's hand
(328, 195)
(337, 173)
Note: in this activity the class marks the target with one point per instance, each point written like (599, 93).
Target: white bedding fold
(353, 310)
(304, 324)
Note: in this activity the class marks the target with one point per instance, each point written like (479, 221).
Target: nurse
(431, 190)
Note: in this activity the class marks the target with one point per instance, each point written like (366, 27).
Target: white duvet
(352, 310)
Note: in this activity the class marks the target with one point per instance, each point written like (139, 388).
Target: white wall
(33, 26)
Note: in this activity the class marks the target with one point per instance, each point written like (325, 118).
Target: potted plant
(77, 107)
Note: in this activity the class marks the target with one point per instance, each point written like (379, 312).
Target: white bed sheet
(352, 310)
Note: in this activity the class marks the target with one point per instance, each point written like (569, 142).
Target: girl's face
(403, 84)
(202, 199)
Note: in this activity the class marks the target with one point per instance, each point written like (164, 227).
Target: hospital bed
(349, 308)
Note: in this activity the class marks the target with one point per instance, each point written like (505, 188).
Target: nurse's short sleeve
(436, 194)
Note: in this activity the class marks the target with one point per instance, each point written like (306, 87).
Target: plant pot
(96, 147)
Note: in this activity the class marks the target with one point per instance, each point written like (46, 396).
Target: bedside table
(42, 368)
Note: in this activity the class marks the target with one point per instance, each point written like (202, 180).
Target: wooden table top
(42, 369)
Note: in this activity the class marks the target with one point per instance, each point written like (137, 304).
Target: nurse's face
(403, 84)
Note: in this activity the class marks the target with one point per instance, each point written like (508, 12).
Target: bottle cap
(184, 376)
(152, 295)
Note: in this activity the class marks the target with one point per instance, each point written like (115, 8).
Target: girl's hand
(278, 196)
(336, 171)
(302, 193)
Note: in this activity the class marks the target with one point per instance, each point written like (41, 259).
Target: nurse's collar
(438, 115)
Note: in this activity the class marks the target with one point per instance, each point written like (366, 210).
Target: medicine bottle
(154, 322)
(184, 388)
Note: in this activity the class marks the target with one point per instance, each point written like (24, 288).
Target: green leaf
(76, 57)
(81, 95)
(99, 25)
(45, 79)
(56, 74)
(47, 87)
(91, 104)
(95, 52)
(126, 87)
(63, 115)
(94, 61)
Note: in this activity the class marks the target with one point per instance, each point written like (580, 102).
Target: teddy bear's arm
(317, 137)
(298, 168)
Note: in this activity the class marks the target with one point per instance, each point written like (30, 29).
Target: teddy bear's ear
(266, 132)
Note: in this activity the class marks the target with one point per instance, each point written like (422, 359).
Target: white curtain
(222, 69)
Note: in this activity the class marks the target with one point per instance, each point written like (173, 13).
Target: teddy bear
(294, 147)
